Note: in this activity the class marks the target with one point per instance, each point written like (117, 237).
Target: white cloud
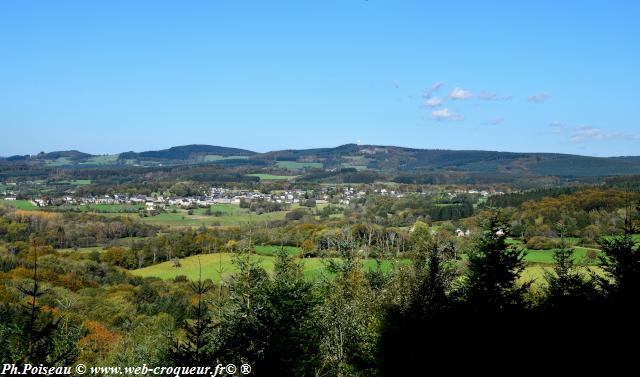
(445, 114)
(459, 93)
(433, 102)
(539, 97)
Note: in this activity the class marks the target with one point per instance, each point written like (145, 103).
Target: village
(221, 195)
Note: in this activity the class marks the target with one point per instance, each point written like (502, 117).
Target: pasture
(294, 165)
(273, 250)
(215, 157)
(222, 215)
(106, 159)
(219, 266)
(100, 208)
(20, 204)
(272, 177)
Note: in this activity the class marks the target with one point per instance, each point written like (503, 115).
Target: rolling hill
(370, 161)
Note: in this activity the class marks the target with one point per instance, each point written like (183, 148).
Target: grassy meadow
(220, 265)
(293, 165)
(222, 215)
(272, 177)
(20, 204)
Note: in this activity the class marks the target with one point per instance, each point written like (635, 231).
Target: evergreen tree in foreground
(491, 283)
(567, 288)
(420, 330)
(196, 349)
(620, 260)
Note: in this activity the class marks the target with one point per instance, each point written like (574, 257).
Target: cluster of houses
(217, 195)
(214, 196)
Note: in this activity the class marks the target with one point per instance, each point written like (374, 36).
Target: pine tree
(567, 286)
(293, 336)
(34, 335)
(620, 259)
(422, 328)
(491, 282)
(195, 349)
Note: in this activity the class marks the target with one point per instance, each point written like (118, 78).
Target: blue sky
(113, 76)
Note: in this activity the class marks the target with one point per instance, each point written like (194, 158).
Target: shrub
(543, 243)
(180, 279)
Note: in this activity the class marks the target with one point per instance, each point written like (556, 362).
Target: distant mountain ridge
(374, 158)
(188, 151)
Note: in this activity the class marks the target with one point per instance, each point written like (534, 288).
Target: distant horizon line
(305, 149)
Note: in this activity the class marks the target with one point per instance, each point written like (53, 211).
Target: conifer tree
(195, 349)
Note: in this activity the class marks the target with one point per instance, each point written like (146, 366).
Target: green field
(232, 215)
(226, 208)
(293, 165)
(101, 208)
(215, 157)
(83, 249)
(107, 159)
(546, 256)
(355, 162)
(217, 266)
(213, 266)
(273, 250)
(271, 177)
(61, 161)
(19, 204)
(75, 182)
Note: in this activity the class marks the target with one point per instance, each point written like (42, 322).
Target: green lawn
(271, 177)
(19, 204)
(293, 165)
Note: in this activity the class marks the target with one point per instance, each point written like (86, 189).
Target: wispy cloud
(559, 127)
(433, 102)
(489, 96)
(494, 121)
(432, 89)
(445, 114)
(435, 87)
(585, 133)
(539, 97)
(459, 93)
